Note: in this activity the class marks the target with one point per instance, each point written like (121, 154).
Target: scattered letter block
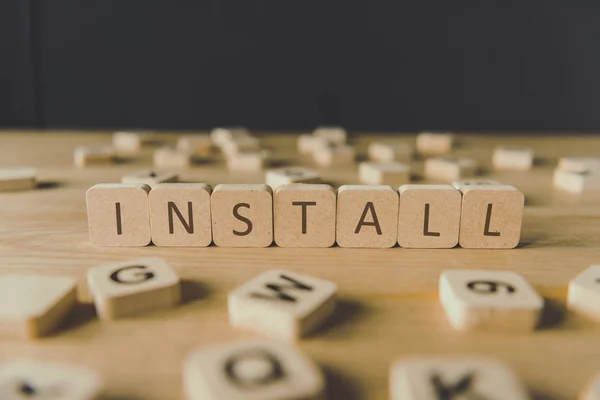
(491, 217)
(221, 135)
(334, 155)
(171, 158)
(242, 215)
(85, 156)
(434, 143)
(130, 143)
(118, 214)
(494, 301)
(592, 390)
(199, 145)
(390, 151)
(580, 164)
(384, 173)
(243, 144)
(307, 144)
(133, 287)
(576, 182)
(282, 304)
(513, 158)
(150, 178)
(584, 293)
(180, 214)
(284, 176)
(22, 379)
(450, 168)
(21, 178)
(305, 215)
(33, 305)
(251, 160)
(454, 377)
(367, 216)
(333, 134)
(429, 216)
(252, 370)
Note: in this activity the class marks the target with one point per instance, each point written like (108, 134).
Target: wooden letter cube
(576, 182)
(584, 293)
(247, 160)
(390, 151)
(454, 377)
(283, 176)
(180, 214)
(305, 215)
(282, 304)
(333, 134)
(150, 178)
(171, 158)
(130, 143)
(434, 143)
(242, 215)
(334, 155)
(118, 214)
(22, 379)
(429, 216)
(221, 135)
(85, 156)
(241, 144)
(367, 216)
(21, 178)
(466, 182)
(449, 168)
(307, 144)
(384, 173)
(128, 288)
(195, 144)
(580, 164)
(252, 370)
(494, 301)
(491, 217)
(33, 305)
(513, 158)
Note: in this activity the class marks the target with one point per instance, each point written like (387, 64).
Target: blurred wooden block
(18, 178)
(449, 168)
(150, 178)
(118, 214)
(513, 158)
(180, 214)
(128, 288)
(430, 143)
(429, 216)
(32, 306)
(248, 161)
(282, 304)
(252, 370)
(390, 151)
(304, 215)
(131, 142)
(85, 156)
(466, 182)
(199, 144)
(367, 216)
(580, 164)
(333, 134)
(491, 217)
(22, 379)
(384, 173)
(242, 215)
(584, 293)
(591, 390)
(307, 143)
(453, 377)
(493, 301)
(243, 144)
(284, 176)
(342, 155)
(221, 135)
(168, 157)
(576, 182)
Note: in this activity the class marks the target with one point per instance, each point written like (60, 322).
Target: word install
(305, 215)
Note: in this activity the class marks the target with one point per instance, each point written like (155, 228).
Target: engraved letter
(143, 276)
(368, 207)
(426, 223)
(118, 212)
(188, 227)
(461, 389)
(279, 290)
(243, 219)
(488, 287)
(304, 204)
(236, 374)
(488, 217)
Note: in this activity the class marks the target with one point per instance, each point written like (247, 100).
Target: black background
(376, 65)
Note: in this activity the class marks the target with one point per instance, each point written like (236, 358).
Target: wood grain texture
(389, 303)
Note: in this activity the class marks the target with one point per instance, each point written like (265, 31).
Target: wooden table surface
(388, 298)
